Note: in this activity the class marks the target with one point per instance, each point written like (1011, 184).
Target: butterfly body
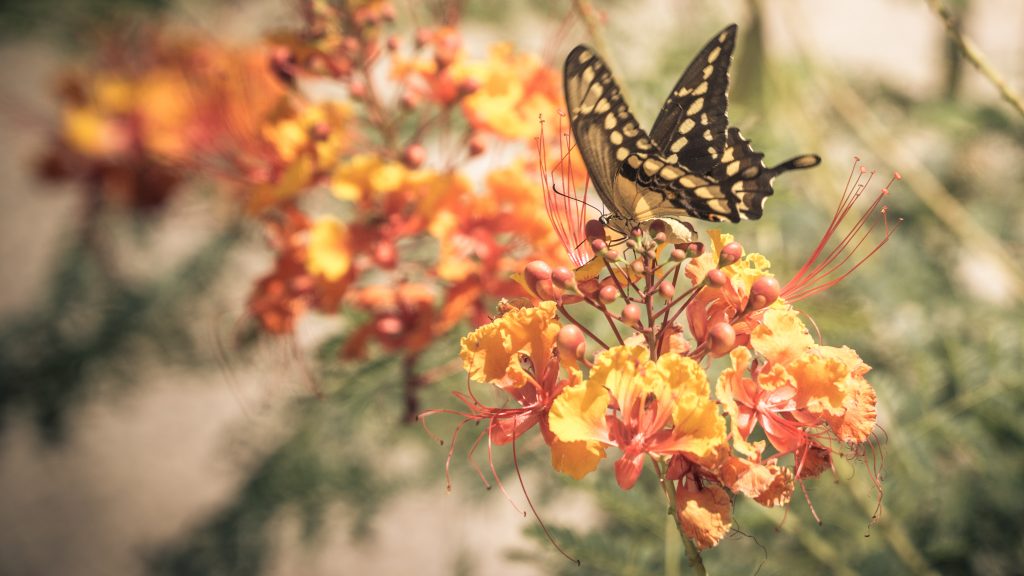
(690, 165)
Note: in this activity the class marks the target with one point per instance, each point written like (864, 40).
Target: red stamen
(566, 206)
(826, 269)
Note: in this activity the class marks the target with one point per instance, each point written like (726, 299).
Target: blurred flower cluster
(781, 408)
(393, 173)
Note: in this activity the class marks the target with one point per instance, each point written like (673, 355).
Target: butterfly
(691, 164)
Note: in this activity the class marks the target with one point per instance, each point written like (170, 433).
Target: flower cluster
(406, 223)
(357, 149)
(778, 413)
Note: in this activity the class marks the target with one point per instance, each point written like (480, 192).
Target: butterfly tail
(798, 163)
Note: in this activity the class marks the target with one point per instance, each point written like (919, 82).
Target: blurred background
(154, 419)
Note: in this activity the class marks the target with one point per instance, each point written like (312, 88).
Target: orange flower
(800, 390)
(402, 318)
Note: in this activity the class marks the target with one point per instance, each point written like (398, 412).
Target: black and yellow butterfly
(691, 165)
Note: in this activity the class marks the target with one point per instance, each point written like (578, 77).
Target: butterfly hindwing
(745, 181)
(690, 130)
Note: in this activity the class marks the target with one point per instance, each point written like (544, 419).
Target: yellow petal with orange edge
(491, 353)
(781, 337)
(576, 459)
(578, 413)
(487, 353)
(820, 383)
(859, 416)
(698, 426)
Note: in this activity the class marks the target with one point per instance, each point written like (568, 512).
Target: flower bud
(667, 289)
(608, 293)
(730, 253)
(716, 278)
(722, 337)
(320, 131)
(409, 100)
(763, 292)
(694, 249)
(423, 36)
(660, 237)
(477, 145)
(611, 255)
(389, 325)
(563, 278)
(357, 89)
(637, 266)
(678, 255)
(468, 86)
(571, 342)
(598, 245)
(384, 254)
(594, 230)
(630, 314)
(414, 156)
(282, 64)
(538, 279)
(632, 244)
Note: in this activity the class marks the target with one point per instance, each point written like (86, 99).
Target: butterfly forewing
(605, 130)
(690, 130)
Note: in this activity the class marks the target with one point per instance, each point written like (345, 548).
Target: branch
(975, 57)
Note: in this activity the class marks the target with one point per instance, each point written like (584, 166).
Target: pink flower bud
(384, 254)
(631, 314)
(571, 342)
(611, 255)
(563, 277)
(763, 292)
(730, 253)
(409, 100)
(469, 86)
(598, 246)
(667, 290)
(722, 337)
(716, 278)
(477, 145)
(538, 279)
(637, 266)
(678, 255)
(608, 293)
(414, 156)
(357, 89)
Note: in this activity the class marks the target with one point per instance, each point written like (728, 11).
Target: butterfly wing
(742, 182)
(605, 130)
(691, 129)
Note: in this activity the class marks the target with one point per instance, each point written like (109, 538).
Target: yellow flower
(661, 408)
(491, 353)
(329, 251)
